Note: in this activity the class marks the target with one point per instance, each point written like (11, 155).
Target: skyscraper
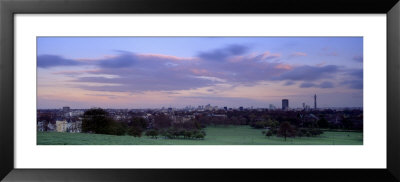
(66, 109)
(315, 101)
(285, 104)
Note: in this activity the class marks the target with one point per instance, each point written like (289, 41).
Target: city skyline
(155, 72)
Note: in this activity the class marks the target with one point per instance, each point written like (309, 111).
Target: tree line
(98, 121)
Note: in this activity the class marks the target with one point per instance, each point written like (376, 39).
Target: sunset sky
(155, 72)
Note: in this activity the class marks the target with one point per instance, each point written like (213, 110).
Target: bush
(308, 132)
(136, 132)
(269, 133)
(199, 136)
(172, 133)
(152, 133)
(117, 129)
(259, 124)
(188, 134)
(97, 121)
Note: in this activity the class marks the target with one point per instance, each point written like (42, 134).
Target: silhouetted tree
(96, 120)
(137, 126)
(269, 133)
(162, 121)
(152, 133)
(286, 130)
(323, 123)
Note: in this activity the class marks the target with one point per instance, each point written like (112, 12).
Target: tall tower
(285, 104)
(315, 101)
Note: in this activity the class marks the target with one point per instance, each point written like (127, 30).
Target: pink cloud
(298, 54)
(75, 72)
(284, 67)
(88, 60)
(321, 64)
(268, 55)
(167, 57)
(332, 54)
(200, 72)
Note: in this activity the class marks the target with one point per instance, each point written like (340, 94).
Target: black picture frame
(8, 8)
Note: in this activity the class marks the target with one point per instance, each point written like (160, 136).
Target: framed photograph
(106, 91)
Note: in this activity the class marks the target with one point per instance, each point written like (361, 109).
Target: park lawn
(217, 135)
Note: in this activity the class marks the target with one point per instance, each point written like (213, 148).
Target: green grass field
(231, 135)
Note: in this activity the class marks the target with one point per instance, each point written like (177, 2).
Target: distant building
(241, 108)
(225, 108)
(66, 109)
(285, 104)
(74, 127)
(41, 126)
(272, 107)
(61, 126)
(224, 116)
(51, 127)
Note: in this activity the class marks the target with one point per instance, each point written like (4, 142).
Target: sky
(155, 72)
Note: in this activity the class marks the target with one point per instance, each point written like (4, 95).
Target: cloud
(309, 73)
(138, 73)
(307, 85)
(47, 61)
(354, 79)
(144, 73)
(331, 54)
(356, 73)
(268, 56)
(124, 60)
(353, 84)
(288, 83)
(358, 58)
(325, 84)
(284, 67)
(297, 54)
(223, 53)
(148, 83)
(104, 95)
(166, 57)
(133, 73)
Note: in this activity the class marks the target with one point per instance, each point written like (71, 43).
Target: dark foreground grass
(230, 135)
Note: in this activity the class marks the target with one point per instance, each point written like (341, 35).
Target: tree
(117, 129)
(137, 126)
(199, 136)
(272, 123)
(152, 133)
(96, 120)
(136, 132)
(45, 119)
(286, 130)
(188, 134)
(162, 121)
(197, 125)
(269, 133)
(138, 122)
(347, 123)
(323, 123)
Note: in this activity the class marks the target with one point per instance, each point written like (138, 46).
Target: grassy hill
(230, 135)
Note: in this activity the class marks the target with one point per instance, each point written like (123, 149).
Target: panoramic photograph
(199, 91)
